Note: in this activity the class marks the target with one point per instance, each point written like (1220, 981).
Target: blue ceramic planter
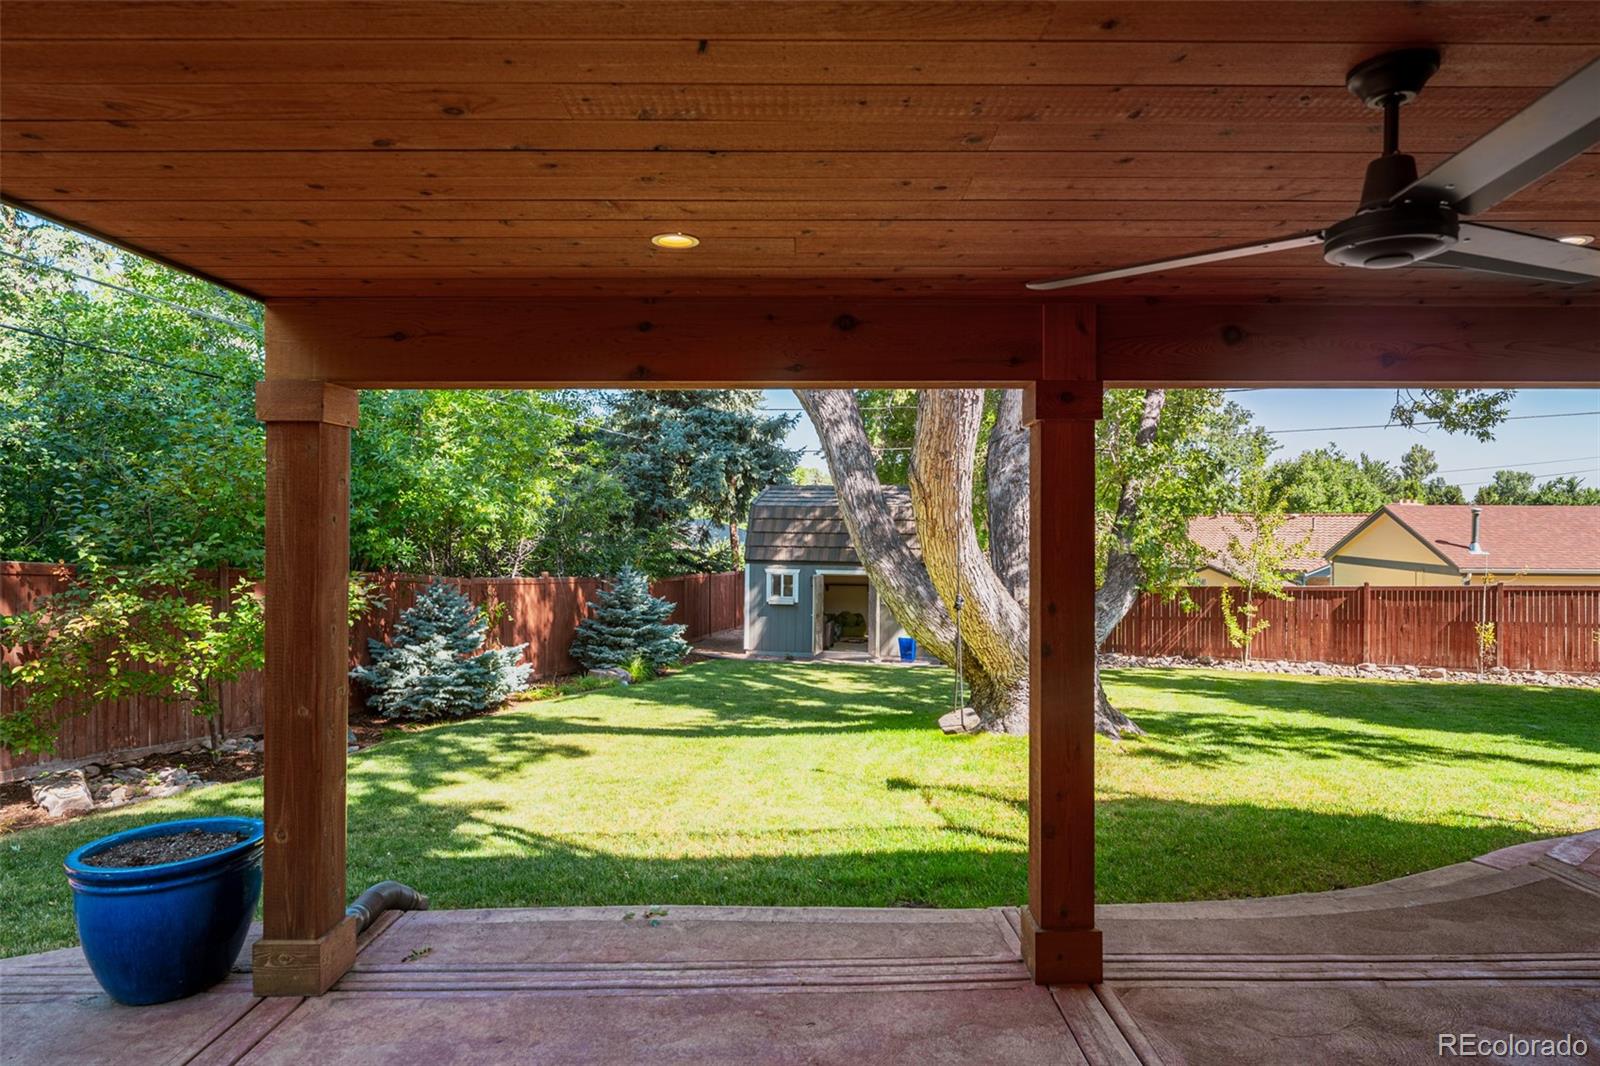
(154, 933)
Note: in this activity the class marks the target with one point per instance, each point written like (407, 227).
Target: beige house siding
(1214, 578)
(1386, 553)
(1536, 579)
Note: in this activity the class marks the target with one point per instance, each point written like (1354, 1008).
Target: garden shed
(805, 591)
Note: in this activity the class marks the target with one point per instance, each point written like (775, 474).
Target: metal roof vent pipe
(1477, 527)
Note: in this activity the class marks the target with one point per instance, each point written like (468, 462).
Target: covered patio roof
(450, 194)
(342, 148)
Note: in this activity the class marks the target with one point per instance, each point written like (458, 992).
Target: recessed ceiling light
(675, 241)
(1577, 238)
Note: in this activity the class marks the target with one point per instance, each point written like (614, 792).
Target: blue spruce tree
(434, 667)
(627, 623)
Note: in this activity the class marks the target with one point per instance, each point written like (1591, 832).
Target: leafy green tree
(1521, 487)
(1417, 478)
(161, 629)
(462, 482)
(127, 422)
(809, 475)
(588, 525)
(1325, 479)
(127, 427)
(436, 665)
(1472, 412)
(705, 453)
(1161, 457)
(154, 629)
(627, 625)
(1260, 558)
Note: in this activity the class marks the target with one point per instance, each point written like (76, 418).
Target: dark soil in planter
(151, 851)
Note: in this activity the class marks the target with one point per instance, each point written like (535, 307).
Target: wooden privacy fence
(542, 612)
(1551, 628)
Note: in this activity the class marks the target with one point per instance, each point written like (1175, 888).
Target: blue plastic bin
(908, 649)
(155, 933)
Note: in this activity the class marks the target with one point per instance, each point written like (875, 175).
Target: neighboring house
(805, 591)
(1320, 531)
(1455, 544)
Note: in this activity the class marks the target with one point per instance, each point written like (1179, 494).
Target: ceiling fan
(1406, 221)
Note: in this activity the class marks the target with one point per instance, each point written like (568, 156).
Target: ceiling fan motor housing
(1388, 237)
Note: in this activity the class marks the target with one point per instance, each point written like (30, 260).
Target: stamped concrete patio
(1507, 943)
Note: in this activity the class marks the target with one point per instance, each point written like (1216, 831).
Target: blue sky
(1545, 445)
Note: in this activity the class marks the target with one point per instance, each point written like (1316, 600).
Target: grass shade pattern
(801, 784)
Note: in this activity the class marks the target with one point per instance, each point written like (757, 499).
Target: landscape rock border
(1497, 675)
(87, 788)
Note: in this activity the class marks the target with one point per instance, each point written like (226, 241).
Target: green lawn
(775, 783)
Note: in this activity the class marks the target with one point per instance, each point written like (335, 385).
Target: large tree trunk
(993, 586)
(993, 625)
(1007, 470)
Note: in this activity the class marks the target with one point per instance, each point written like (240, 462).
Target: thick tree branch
(993, 626)
(893, 568)
(1006, 474)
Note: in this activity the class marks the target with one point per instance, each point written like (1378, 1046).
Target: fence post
(1366, 621)
(1494, 620)
(222, 687)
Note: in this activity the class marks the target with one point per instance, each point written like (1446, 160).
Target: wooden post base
(303, 967)
(1061, 956)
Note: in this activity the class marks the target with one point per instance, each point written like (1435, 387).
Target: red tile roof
(1212, 533)
(1518, 539)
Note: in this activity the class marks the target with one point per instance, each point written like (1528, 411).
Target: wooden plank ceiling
(498, 148)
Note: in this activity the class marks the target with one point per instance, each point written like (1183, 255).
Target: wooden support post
(1059, 940)
(308, 942)
(1366, 621)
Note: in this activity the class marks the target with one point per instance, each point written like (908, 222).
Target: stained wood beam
(757, 342)
(1303, 345)
(746, 343)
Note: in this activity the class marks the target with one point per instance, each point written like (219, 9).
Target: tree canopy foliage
(128, 434)
(1520, 487)
(127, 424)
(706, 452)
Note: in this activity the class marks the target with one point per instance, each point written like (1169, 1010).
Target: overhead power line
(133, 356)
(243, 327)
(1399, 425)
(1540, 477)
(1519, 466)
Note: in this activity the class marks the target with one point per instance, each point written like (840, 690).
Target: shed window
(781, 585)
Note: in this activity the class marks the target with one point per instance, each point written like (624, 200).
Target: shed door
(873, 651)
(818, 595)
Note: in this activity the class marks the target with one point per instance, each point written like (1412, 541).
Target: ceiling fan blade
(1562, 123)
(1521, 255)
(1238, 251)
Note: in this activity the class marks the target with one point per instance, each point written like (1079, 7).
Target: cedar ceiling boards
(932, 149)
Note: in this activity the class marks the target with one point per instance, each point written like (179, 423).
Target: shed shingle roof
(802, 524)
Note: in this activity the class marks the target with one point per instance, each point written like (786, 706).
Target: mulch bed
(153, 851)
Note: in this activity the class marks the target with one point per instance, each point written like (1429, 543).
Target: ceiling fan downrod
(1386, 232)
